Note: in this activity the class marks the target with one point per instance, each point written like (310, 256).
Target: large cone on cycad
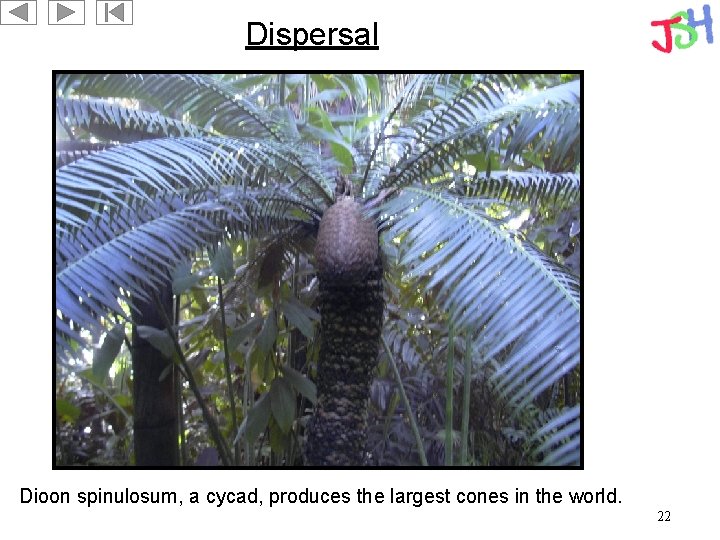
(347, 243)
(351, 308)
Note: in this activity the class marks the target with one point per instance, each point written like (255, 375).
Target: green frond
(559, 438)
(130, 253)
(522, 307)
(471, 126)
(443, 89)
(113, 122)
(210, 103)
(531, 188)
(131, 175)
(549, 125)
(68, 151)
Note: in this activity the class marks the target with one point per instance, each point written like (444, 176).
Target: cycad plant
(376, 184)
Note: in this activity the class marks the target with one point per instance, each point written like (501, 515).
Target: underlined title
(264, 36)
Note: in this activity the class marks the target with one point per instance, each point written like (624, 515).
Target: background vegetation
(213, 186)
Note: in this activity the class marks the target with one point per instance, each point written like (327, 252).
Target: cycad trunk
(351, 307)
(155, 422)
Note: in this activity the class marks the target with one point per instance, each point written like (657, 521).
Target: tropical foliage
(214, 185)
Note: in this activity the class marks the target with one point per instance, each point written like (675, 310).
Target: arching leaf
(522, 307)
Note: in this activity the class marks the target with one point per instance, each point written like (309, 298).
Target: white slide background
(650, 282)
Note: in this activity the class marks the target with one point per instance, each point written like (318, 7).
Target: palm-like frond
(549, 123)
(127, 215)
(443, 89)
(523, 307)
(531, 188)
(210, 103)
(125, 255)
(68, 151)
(559, 438)
(130, 253)
(131, 175)
(430, 107)
(478, 121)
(114, 122)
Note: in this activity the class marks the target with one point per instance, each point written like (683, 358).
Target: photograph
(329, 271)
(318, 270)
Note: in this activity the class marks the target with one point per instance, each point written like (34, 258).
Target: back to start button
(18, 12)
(114, 12)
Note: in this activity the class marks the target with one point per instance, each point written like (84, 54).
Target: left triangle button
(21, 12)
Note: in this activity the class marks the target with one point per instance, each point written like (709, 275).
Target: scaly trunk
(351, 307)
(155, 422)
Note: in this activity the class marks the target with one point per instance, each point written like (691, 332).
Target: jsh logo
(689, 34)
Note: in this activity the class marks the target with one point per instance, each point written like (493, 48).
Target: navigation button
(114, 12)
(22, 12)
(71, 12)
(18, 12)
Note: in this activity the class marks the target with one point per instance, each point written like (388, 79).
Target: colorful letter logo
(675, 23)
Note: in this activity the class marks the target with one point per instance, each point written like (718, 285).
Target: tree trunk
(351, 309)
(155, 419)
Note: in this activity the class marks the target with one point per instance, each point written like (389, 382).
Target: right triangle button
(63, 12)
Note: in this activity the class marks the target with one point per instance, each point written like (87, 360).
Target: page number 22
(664, 515)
